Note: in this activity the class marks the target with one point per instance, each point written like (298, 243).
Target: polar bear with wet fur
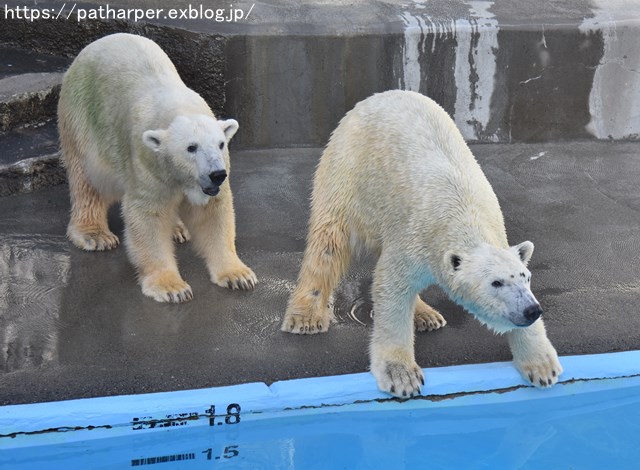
(130, 130)
(398, 178)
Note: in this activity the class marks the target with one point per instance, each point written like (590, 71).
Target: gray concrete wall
(198, 57)
(288, 91)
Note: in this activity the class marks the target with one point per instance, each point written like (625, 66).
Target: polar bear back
(405, 170)
(124, 79)
(117, 88)
(135, 58)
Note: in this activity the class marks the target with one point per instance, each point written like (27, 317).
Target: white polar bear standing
(398, 179)
(131, 130)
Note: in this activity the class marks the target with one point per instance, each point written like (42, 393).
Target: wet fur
(398, 179)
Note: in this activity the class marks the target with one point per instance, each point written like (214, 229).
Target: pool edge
(118, 415)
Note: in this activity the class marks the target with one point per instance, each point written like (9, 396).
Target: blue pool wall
(24, 425)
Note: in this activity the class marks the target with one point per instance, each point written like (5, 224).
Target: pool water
(585, 424)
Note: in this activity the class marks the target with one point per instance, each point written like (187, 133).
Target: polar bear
(130, 130)
(397, 178)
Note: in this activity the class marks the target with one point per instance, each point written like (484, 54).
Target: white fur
(500, 308)
(132, 131)
(398, 178)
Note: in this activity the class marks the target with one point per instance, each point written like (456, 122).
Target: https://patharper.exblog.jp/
(72, 11)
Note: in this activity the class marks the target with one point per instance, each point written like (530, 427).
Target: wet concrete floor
(17, 61)
(75, 324)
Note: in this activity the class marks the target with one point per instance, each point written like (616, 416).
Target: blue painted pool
(581, 424)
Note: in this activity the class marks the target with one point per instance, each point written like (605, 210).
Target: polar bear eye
(497, 284)
(221, 145)
(192, 148)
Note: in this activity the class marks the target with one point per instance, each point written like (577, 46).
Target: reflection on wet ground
(75, 324)
(31, 283)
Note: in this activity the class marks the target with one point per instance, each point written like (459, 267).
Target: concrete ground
(75, 324)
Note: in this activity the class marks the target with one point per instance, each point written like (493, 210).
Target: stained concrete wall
(500, 79)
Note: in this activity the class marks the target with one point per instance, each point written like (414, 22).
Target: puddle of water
(31, 285)
(352, 303)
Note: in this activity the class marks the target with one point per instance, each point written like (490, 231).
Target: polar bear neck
(467, 214)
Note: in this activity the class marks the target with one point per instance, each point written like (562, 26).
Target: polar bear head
(494, 284)
(194, 150)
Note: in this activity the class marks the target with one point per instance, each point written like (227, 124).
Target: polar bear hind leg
(180, 232)
(426, 318)
(88, 228)
(326, 258)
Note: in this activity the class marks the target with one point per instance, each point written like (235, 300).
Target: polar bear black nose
(532, 313)
(218, 177)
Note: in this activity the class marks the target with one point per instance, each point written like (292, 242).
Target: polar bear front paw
(236, 277)
(401, 378)
(92, 239)
(166, 287)
(542, 372)
(427, 318)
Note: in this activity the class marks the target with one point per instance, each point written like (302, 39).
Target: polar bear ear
(154, 139)
(229, 127)
(452, 260)
(524, 251)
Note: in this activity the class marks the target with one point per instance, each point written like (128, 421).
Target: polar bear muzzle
(529, 315)
(217, 178)
(532, 313)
